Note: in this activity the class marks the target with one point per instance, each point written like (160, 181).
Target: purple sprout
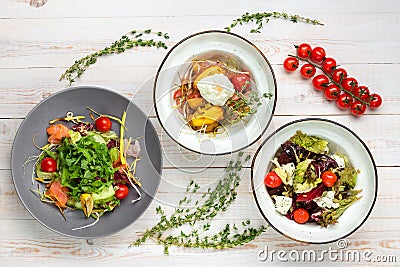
(83, 128)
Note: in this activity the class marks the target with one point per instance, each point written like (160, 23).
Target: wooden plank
(73, 9)
(295, 95)
(21, 235)
(21, 238)
(43, 44)
(174, 182)
(380, 135)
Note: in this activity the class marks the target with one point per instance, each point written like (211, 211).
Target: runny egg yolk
(216, 89)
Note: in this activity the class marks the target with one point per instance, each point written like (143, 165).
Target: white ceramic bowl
(240, 135)
(342, 140)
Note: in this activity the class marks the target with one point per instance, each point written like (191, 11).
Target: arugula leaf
(86, 165)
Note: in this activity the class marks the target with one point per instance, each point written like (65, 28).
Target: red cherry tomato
(320, 82)
(376, 101)
(178, 93)
(344, 101)
(318, 54)
(332, 92)
(291, 64)
(358, 108)
(339, 75)
(328, 178)
(349, 84)
(329, 65)
(301, 215)
(304, 51)
(307, 71)
(103, 124)
(240, 81)
(272, 180)
(48, 165)
(121, 192)
(361, 92)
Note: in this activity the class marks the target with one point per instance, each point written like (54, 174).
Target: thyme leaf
(199, 218)
(126, 42)
(261, 18)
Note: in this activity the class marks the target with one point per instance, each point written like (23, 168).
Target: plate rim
(77, 87)
(219, 32)
(337, 124)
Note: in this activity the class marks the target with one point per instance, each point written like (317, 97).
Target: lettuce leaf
(348, 177)
(305, 178)
(311, 143)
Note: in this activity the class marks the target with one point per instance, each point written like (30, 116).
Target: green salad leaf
(348, 177)
(86, 166)
(311, 143)
(305, 178)
(300, 171)
(330, 216)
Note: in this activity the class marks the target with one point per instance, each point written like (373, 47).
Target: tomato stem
(331, 79)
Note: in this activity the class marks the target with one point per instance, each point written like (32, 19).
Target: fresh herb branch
(331, 79)
(126, 42)
(261, 18)
(211, 204)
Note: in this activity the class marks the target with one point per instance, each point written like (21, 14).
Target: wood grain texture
(38, 44)
(380, 135)
(295, 96)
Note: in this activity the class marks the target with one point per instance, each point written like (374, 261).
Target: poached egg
(216, 89)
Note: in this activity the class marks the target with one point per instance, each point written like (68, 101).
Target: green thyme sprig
(261, 18)
(228, 237)
(126, 42)
(211, 204)
(247, 104)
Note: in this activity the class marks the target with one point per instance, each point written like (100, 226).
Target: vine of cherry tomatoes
(334, 81)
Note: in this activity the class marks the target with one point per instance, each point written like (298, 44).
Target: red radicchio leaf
(316, 192)
(323, 163)
(120, 176)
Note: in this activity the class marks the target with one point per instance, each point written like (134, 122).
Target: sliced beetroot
(276, 191)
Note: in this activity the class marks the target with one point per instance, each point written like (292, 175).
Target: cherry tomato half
(329, 65)
(301, 215)
(344, 101)
(318, 54)
(272, 180)
(240, 81)
(376, 101)
(122, 191)
(339, 75)
(304, 51)
(332, 92)
(361, 92)
(103, 124)
(48, 165)
(328, 178)
(307, 71)
(291, 64)
(358, 108)
(349, 84)
(320, 82)
(178, 93)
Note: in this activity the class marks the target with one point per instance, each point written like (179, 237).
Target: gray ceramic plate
(76, 100)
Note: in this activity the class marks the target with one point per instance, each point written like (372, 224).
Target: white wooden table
(38, 44)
